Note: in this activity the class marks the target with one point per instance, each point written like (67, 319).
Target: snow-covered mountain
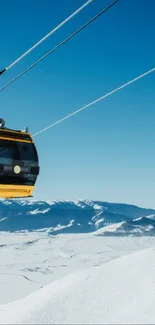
(76, 217)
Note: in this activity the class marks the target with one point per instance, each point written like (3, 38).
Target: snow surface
(83, 262)
(76, 279)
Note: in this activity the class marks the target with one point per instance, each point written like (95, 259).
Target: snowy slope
(43, 244)
(74, 217)
(121, 291)
(30, 261)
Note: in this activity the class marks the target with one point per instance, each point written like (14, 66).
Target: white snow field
(76, 279)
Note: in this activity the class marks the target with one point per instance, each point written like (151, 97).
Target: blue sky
(107, 151)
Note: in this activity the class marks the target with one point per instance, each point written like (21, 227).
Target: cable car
(19, 164)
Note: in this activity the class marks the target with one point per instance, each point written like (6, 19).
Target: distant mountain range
(102, 218)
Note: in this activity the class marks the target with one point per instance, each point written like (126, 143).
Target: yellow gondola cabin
(19, 164)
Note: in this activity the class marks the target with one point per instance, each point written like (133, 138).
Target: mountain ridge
(83, 216)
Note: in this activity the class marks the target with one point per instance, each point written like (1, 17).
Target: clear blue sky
(107, 152)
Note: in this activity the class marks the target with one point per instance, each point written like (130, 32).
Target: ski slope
(76, 279)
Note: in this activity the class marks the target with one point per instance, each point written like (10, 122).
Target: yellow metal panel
(16, 132)
(13, 191)
(14, 139)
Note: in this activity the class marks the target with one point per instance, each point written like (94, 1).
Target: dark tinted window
(8, 152)
(27, 152)
(13, 180)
